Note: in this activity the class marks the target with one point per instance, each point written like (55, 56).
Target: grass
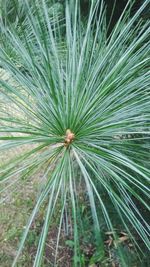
(13, 219)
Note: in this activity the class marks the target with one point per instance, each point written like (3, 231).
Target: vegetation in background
(83, 109)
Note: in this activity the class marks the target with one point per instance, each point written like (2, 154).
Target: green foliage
(82, 105)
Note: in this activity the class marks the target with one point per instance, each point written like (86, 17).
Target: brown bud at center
(69, 137)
